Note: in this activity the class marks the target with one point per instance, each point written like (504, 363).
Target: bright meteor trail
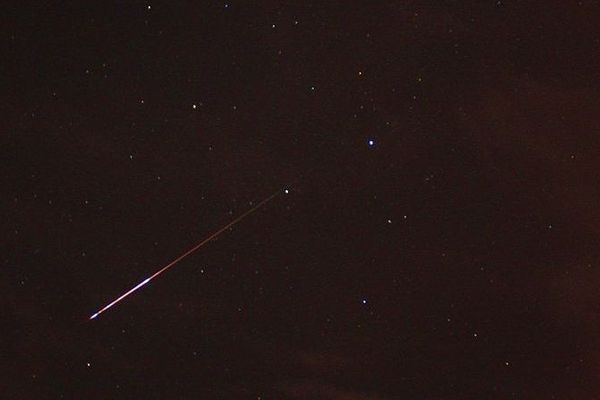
(187, 253)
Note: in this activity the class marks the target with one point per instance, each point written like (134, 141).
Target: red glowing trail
(187, 253)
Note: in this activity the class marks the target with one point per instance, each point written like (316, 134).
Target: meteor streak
(187, 253)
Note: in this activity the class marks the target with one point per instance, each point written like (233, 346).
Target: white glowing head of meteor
(94, 316)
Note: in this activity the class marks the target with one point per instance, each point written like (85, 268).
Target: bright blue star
(371, 142)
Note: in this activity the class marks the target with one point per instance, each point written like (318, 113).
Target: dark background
(454, 258)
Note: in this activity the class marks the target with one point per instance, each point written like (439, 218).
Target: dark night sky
(453, 257)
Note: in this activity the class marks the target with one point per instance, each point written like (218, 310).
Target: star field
(435, 235)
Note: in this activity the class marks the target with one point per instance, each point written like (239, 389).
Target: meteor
(187, 253)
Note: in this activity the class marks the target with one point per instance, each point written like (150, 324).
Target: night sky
(439, 238)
